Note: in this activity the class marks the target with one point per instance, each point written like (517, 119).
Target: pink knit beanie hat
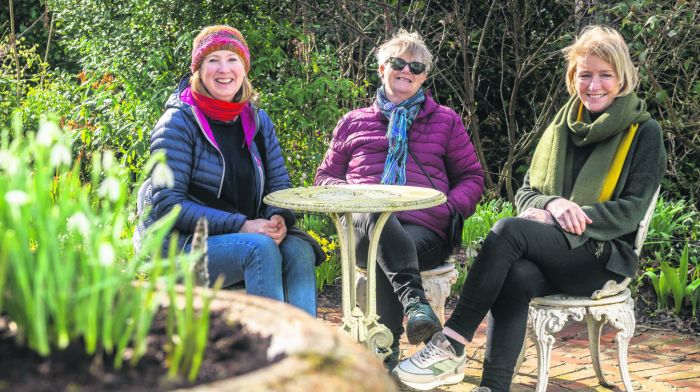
(219, 37)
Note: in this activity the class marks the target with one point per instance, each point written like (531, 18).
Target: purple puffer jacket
(439, 141)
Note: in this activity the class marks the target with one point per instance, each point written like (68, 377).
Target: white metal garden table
(341, 201)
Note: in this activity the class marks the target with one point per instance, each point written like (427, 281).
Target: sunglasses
(397, 64)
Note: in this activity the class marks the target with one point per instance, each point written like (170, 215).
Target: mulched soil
(648, 317)
(231, 351)
(331, 296)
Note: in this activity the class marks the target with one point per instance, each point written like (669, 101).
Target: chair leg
(627, 325)
(545, 322)
(437, 289)
(622, 318)
(544, 341)
(544, 344)
(594, 328)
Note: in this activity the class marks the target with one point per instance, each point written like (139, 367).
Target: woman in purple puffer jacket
(380, 144)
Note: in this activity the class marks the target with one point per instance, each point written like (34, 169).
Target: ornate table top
(356, 198)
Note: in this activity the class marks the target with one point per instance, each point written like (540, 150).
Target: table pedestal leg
(364, 328)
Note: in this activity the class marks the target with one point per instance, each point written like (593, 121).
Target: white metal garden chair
(612, 303)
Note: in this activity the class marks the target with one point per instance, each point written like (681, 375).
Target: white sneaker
(435, 365)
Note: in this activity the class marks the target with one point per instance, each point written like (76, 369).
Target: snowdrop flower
(9, 163)
(48, 132)
(79, 222)
(110, 189)
(162, 176)
(106, 254)
(107, 160)
(60, 155)
(16, 198)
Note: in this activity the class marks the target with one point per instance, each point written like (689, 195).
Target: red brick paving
(657, 360)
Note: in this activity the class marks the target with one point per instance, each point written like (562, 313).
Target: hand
(568, 215)
(538, 215)
(270, 228)
(279, 232)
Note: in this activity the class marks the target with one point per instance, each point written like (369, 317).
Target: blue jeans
(285, 272)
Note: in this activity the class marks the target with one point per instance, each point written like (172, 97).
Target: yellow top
(618, 161)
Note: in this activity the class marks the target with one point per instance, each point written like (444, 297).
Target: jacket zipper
(223, 162)
(260, 163)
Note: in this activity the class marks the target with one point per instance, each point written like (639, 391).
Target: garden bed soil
(231, 351)
(648, 317)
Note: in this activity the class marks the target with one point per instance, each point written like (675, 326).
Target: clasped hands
(567, 214)
(274, 228)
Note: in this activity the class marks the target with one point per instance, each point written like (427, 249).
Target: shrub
(475, 230)
(487, 213)
(672, 222)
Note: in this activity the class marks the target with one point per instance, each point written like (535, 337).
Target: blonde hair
(404, 42)
(607, 44)
(244, 94)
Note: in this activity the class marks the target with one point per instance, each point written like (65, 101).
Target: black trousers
(519, 260)
(403, 251)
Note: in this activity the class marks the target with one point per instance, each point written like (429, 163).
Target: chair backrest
(644, 224)
(611, 287)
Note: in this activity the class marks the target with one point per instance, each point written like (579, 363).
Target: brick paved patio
(658, 360)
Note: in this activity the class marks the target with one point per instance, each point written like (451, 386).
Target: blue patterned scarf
(400, 117)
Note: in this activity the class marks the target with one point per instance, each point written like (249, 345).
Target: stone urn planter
(318, 357)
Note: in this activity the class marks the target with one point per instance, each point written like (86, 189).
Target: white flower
(60, 155)
(110, 189)
(16, 198)
(162, 176)
(106, 254)
(48, 132)
(79, 222)
(107, 160)
(9, 163)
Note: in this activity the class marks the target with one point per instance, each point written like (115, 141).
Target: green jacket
(616, 220)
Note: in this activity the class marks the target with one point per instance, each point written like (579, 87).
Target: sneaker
(433, 366)
(422, 322)
(481, 389)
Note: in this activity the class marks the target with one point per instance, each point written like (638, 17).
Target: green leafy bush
(475, 230)
(672, 222)
(477, 226)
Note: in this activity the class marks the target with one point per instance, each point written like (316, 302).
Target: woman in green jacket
(592, 177)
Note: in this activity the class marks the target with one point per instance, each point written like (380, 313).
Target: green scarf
(552, 161)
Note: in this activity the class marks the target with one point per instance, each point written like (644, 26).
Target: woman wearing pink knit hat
(225, 157)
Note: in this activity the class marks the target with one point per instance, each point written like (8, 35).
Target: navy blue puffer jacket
(196, 161)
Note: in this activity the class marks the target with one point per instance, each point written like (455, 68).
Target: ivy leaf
(661, 96)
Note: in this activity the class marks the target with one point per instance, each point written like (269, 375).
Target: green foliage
(305, 116)
(462, 272)
(675, 282)
(487, 213)
(67, 263)
(475, 230)
(133, 53)
(673, 221)
(17, 74)
(330, 270)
